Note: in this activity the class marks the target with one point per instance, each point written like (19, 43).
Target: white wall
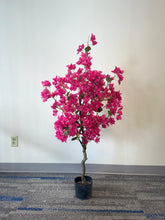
(38, 38)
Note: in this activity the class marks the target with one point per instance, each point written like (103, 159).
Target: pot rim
(78, 179)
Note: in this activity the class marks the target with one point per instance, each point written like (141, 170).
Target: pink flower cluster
(119, 73)
(86, 99)
(93, 39)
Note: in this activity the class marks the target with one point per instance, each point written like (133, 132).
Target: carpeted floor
(51, 196)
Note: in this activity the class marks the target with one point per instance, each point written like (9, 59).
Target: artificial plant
(84, 100)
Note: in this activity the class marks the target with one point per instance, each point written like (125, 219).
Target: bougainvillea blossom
(46, 83)
(119, 73)
(85, 100)
(93, 39)
(80, 48)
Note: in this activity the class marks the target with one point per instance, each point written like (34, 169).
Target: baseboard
(76, 168)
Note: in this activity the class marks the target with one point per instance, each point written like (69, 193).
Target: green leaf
(109, 113)
(75, 138)
(88, 48)
(81, 96)
(108, 79)
(78, 123)
(67, 95)
(66, 133)
(99, 109)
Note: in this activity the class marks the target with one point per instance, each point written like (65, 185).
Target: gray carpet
(51, 196)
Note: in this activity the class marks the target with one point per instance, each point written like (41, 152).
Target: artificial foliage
(84, 100)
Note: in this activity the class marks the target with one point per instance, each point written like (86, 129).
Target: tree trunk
(83, 163)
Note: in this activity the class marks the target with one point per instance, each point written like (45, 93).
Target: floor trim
(76, 168)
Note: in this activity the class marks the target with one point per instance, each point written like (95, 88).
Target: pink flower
(85, 60)
(66, 126)
(97, 139)
(55, 105)
(71, 67)
(93, 39)
(119, 73)
(80, 48)
(55, 111)
(118, 117)
(112, 120)
(45, 95)
(46, 83)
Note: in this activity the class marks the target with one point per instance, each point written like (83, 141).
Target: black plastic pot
(83, 191)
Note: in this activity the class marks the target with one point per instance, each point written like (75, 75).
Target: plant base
(83, 191)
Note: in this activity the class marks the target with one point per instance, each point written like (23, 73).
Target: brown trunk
(83, 163)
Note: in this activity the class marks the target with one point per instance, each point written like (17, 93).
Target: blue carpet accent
(156, 215)
(18, 177)
(11, 198)
(101, 210)
(56, 178)
(30, 209)
(81, 210)
(36, 177)
(151, 216)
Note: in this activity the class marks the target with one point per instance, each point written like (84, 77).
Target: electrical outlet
(14, 141)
